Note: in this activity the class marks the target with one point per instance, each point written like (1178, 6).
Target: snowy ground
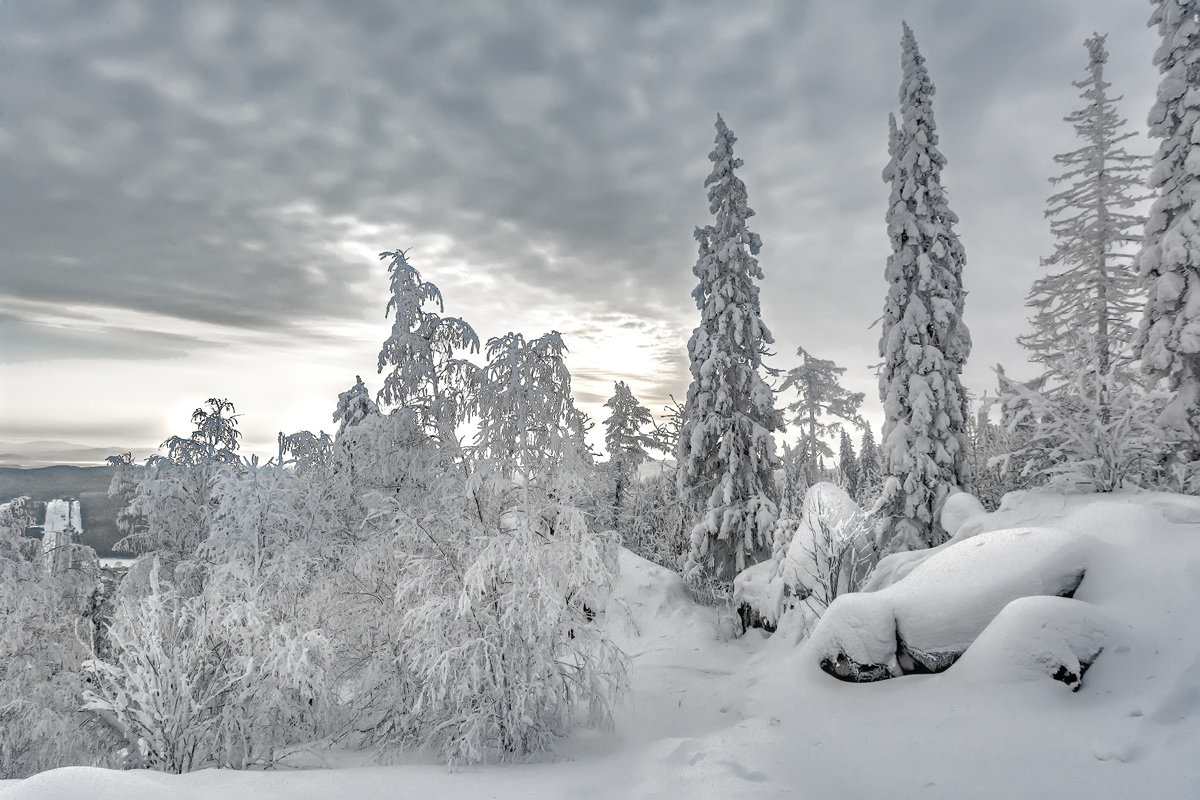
(756, 717)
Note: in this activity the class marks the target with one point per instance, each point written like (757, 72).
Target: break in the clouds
(216, 173)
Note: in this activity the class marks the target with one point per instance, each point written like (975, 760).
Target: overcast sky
(193, 196)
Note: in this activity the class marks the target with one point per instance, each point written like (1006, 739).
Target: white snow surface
(715, 717)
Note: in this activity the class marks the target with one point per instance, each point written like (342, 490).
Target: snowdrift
(716, 716)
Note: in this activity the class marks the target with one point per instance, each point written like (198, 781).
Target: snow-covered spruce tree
(626, 445)
(425, 375)
(924, 343)
(726, 451)
(848, 465)
(1092, 290)
(819, 395)
(794, 463)
(870, 475)
(1168, 337)
(623, 437)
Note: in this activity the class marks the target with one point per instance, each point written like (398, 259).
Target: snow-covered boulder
(962, 515)
(925, 622)
(1034, 637)
(758, 594)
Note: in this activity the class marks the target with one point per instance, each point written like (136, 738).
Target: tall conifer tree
(924, 343)
(726, 449)
(1168, 339)
(1083, 310)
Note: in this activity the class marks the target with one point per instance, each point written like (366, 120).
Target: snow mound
(1037, 636)
(758, 593)
(926, 621)
(963, 515)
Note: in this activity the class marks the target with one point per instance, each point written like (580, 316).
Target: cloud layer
(238, 166)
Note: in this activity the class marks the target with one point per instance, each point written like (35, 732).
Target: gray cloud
(26, 341)
(238, 164)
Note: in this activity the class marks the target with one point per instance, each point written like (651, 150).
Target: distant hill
(46, 453)
(88, 485)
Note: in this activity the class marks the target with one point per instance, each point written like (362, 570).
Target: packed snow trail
(714, 717)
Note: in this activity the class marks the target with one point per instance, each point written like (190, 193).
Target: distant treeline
(88, 485)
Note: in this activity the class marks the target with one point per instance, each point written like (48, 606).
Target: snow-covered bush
(830, 550)
(655, 521)
(501, 653)
(1084, 440)
(44, 630)
(207, 680)
(383, 588)
(489, 648)
(170, 498)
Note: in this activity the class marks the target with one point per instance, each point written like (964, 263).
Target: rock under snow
(962, 515)
(1033, 637)
(926, 621)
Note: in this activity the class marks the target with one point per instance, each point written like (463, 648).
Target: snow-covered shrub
(207, 680)
(469, 604)
(655, 521)
(383, 588)
(43, 634)
(501, 652)
(221, 659)
(1084, 440)
(170, 498)
(830, 551)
